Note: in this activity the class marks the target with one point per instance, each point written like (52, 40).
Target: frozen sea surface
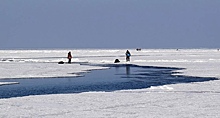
(193, 99)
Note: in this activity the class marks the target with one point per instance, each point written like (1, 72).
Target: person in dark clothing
(69, 57)
(128, 54)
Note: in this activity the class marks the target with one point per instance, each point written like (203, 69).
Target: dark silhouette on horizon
(69, 57)
(128, 54)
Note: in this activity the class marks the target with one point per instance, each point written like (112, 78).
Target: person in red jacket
(69, 57)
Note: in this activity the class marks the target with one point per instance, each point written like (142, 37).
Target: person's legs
(127, 58)
(69, 61)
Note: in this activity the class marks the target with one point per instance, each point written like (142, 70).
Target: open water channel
(118, 77)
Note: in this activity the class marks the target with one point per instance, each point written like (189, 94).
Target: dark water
(118, 77)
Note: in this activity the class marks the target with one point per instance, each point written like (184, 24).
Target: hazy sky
(109, 24)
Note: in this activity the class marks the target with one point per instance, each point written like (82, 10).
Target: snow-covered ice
(8, 83)
(199, 99)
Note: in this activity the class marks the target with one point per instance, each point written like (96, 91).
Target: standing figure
(128, 54)
(69, 57)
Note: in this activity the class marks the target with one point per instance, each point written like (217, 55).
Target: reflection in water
(116, 69)
(128, 70)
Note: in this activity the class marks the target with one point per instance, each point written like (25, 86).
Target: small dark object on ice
(138, 49)
(116, 61)
(61, 62)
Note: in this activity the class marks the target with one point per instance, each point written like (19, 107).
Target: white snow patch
(8, 83)
(165, 87)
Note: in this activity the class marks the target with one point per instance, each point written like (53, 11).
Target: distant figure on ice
(69, 57)
(138, 49)
(128, 54)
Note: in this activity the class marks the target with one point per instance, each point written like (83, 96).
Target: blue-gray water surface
(118, 77)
